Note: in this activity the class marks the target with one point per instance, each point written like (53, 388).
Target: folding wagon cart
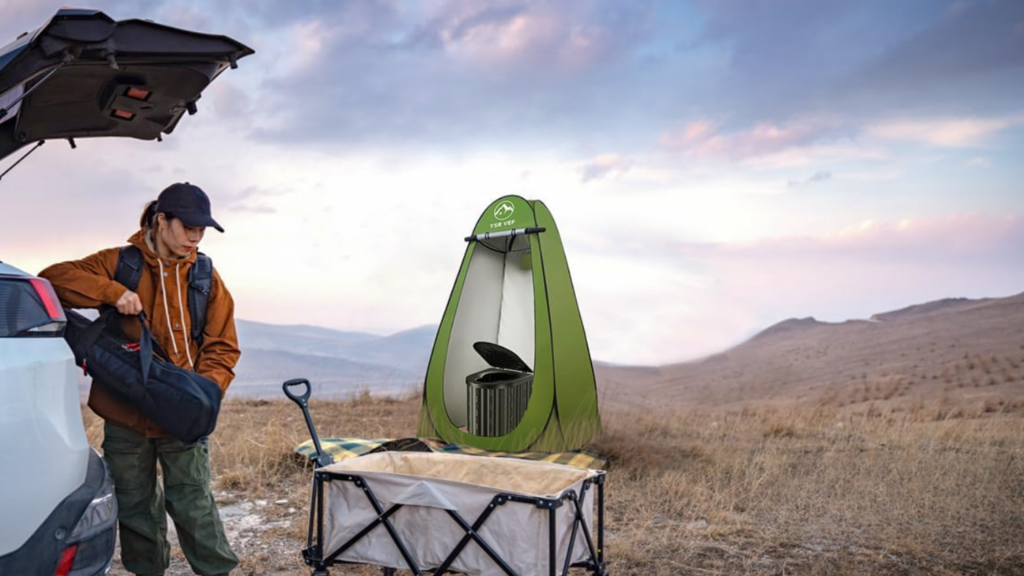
(442, 513)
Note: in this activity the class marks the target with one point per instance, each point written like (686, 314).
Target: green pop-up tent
(513, 290)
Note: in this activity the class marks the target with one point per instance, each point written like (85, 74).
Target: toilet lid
(500, 357)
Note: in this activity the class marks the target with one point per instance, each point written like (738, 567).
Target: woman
(171, 228)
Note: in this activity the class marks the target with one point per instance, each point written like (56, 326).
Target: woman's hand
(129, 303)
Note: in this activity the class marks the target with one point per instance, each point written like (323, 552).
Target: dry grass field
(933, 489)
(888, 446)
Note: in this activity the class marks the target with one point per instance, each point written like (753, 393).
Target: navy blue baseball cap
(188, 203)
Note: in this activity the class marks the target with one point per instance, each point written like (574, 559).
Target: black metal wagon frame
(320, 560)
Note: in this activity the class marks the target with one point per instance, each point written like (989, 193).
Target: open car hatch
(83, 74)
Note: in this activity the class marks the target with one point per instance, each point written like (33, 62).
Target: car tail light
(45, 292)
(29, 307)
(67, 560)
(122, 114)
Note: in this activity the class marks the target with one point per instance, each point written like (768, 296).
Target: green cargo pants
(141, 501)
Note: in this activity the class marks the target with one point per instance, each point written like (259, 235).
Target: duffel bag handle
(147, 335)
(146, 344)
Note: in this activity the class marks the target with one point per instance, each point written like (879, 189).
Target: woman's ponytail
(148, 213)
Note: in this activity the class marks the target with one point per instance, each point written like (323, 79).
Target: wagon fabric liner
(456, 513)
(344, 448)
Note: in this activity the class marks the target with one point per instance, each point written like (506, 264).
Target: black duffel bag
(185, 404)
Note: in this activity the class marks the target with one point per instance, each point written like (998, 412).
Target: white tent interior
(496, 306)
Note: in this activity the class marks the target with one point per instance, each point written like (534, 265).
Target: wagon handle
(300, 400)
(322, 458)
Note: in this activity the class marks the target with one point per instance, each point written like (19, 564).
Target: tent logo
(504, 210)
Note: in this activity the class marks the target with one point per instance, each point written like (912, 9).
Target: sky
(714, 167)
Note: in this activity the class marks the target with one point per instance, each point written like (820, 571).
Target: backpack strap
(129, 267)
(200, 280)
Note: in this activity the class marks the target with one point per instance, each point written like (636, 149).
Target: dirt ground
(246, 522)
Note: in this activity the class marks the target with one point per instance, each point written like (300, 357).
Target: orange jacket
(88, 283)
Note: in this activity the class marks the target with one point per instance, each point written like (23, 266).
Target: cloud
(816, 177)
(766, 145)
(254, 199)
(17, 16)
(785, 58)
(979, 162)
(862, 60)
(230, 102)
(903, 256)
(949, 133)
(813, 140)
(955, 237)
(605, 166)
(702, 138)
(566, 35)
(52, 215)
(453, 72)
(251, 199)
(955, 55)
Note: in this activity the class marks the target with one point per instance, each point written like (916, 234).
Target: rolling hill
(958, 349)
(337, 362)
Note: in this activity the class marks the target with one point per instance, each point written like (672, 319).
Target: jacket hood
(149, 252)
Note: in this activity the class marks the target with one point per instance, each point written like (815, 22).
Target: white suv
(57, 506)
(80, 75)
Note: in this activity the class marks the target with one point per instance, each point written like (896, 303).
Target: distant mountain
(300, 339)
(960, 349)
(929, 307)
(791, 325)
(261, 373)
(407, 350)
(335, 361)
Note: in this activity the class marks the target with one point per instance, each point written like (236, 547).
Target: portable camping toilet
(513, 301)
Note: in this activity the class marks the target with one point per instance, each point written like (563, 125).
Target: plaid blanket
(344, 448)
